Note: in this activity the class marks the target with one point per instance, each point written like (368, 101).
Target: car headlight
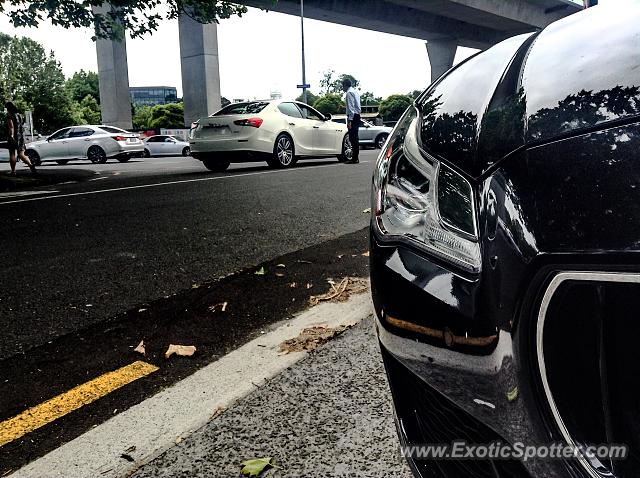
(419, 199)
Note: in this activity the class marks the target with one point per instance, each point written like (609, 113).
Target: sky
(258, 53)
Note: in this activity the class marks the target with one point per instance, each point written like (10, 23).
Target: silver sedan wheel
(284, 150)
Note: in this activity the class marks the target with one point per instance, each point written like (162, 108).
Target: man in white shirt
(352, 100)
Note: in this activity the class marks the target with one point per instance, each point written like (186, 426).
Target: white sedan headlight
(419, 199)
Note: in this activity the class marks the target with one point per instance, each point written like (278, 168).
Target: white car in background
(95, 143)
(277, 131)
(369, 133)
(164, 145)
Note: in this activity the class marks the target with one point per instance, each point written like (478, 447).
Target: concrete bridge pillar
(441, 55)
(113, 72)
(200, 69)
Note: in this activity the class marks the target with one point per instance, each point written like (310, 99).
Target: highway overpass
(443, 24)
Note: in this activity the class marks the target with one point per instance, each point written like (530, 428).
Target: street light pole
(304, 76)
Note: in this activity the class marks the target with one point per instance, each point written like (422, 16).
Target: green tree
(34, 82)
(87, 111)
(83, 83)
(337, 86)
(326, 83)
(142, 117)
(167, 116)
(329, 104)
(415, 93)
(311, 98)
(137, 17)
(368, 98)
(392, 108)
(330, 84)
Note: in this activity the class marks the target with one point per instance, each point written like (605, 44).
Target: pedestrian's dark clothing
(354, 137)
(16, 140)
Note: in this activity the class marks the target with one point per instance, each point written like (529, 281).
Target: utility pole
(304, 75)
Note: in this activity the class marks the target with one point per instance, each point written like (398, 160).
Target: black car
(505, 254)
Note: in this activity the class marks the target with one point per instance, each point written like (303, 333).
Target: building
(153, 95)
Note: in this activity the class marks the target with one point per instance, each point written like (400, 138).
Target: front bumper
(461, 357)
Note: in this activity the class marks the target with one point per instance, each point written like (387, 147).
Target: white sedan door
(155, 145)
(57, 146)
(324, 137)
(78, 142)
(301, 128)
(173, 147)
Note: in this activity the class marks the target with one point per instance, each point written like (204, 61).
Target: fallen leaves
(279, 274)
(512, 394)
(222, 306)
(282, 266)
(342, 291)
(293, 285)
(366, 211)
(312, 337)
(256, 466)
(140, 348)
(218, 411)
(181, 350)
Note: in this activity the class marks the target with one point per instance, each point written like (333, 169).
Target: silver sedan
(95, 143)
(164, 145)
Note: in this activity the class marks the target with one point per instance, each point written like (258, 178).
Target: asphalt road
(82, 251)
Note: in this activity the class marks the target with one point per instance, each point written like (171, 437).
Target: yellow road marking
(88, 392)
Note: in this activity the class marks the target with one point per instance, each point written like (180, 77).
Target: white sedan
(277, 131)
(163, 145)
(95, 143)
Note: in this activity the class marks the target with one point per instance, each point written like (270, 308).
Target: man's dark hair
(11, 108)
(346, 83)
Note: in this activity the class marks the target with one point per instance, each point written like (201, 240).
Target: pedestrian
(15, 130)
(353, 119)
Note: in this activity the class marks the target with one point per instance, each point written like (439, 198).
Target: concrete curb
(161, 421)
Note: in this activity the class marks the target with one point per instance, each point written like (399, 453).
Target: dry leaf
(281, 266)
(312, 337)
(218, 411)
(304, 262)
(366, 211)
(365, 254)
(260, 272)
(178, 440)
(221, 305)
(182, 350)
(195, 286)
(279, 274)
(341, 291)
(140, 348)
(131, 449)
(340, 256)
(293, 285)
(309, 286)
